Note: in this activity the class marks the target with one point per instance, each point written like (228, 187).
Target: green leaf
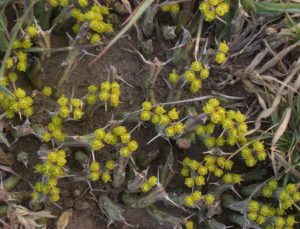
(6, 91)
(3, 31)
(248, 5)
(3, 139)
(273, 8)
(4, 2)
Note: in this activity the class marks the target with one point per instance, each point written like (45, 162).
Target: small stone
(76, 193)
(81, 204)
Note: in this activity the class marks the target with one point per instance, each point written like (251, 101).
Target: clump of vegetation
(207, 139)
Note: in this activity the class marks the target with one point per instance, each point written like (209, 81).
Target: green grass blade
(273, 8)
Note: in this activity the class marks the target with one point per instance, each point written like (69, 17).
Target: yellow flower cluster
(221, 56)
(54, 130)
(95, 172)
(119, 134)
(193, 76)
(234, 130)
(196, 174)
(68, 106)
(22, 104)
(172, 8)
(62, 3)
(285, 195)
(19, 59)
(147, 186)
(51, 169)
(214, 165)
(257, 153)
(233, 123)
(94, 15)
(197, 198)
(159, 116)
(213, 8)
(108, 92)
(268, 216)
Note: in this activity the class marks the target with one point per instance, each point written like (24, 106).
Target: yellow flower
(53, 3)
(195, 86)
(147, 106)
(78, 113)
(170, 131)
(94, 176)
(152, 181)
(197, 195)
(64, 112)
(165, 8)
(26, 43)
(175, 8)
(160, 110)
(173, 77)
(105, 86)
(47, 91)
(20, 93)
(119, 130)
(189, 224)
(189, 76)
(99, 133)
(196, 66)
(95, 166)
(133, 145)
(97, 144)
(222, 9)
(76, 102)
(106, 177)
(31, 31)
(173, 114)
(104, 95)
(209, 199)
(221, 58)
(209, 16)
(204, 74)
(223, 47)
(22, 66)
(95, 39)
(145, 116)
(188, 201)
(145, 187)
(110, 165)
(9, 62)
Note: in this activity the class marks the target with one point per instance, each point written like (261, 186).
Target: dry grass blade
(137, 14)
(281, 129)
(287, 165)
(25, 218)
(271, 63)
(64, 219)
(267, 112)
